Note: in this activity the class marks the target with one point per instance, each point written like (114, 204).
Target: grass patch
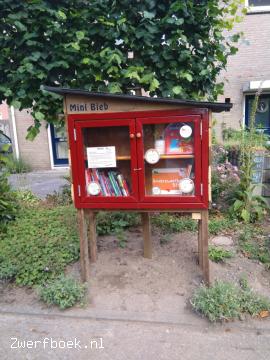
(63, 292)
(217, 254)
(225, 301)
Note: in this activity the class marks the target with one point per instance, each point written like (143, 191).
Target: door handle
(132, 136)
(138, 135)
(138, 169)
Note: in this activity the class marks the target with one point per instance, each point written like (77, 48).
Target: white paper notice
(101, 157)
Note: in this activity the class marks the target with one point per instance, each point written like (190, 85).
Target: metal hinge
(201, 128)
(201, 189)
(79, 190)
(75, 135)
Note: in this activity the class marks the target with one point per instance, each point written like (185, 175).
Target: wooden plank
(200, 260)
(92, 236)
(84, 257)
(147, 241)
(204, 245)
(87, 105)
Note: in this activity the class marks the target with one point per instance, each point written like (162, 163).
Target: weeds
(225, 301)
(17, 166)
(220, 224)
(63, 292)
(218, 254)
(168, 224)
(171, 223)
(109, 223)
(62, 197)
(255, 245)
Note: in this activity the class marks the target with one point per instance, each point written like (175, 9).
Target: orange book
(166, 181)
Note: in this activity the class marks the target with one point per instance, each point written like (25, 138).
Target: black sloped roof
(214, 106)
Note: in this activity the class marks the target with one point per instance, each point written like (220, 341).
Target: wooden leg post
(84, 257)
(147, 241)
(200, 252)
(204, 246)
(92, 236)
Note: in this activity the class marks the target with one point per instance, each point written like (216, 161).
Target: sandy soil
(123, 282)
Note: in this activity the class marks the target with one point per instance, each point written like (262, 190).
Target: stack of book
(111, 183)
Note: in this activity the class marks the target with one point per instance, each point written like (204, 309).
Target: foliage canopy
(178, 47)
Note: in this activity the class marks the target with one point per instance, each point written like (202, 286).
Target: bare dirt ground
(125, 285)
(140, 308)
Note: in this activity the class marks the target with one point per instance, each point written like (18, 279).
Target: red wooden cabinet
(140, 160)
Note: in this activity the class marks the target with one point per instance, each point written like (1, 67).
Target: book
(166, 181)
(111, 183)
(175, 143)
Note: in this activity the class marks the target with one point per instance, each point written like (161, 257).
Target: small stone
(222, 240)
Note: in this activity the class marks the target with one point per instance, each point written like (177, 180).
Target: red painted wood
(137, 114)
(79, 126)
(135, 121)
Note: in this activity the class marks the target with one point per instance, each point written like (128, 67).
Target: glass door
(169, 157)
(107, 160)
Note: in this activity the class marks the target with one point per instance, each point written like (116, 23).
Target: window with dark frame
(259, 3)
(262, 119)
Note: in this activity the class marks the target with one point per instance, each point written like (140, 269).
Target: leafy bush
(8, 204)
(63, 292)
(249, 207)
(225, 301)
(218, 254)
(40, 243)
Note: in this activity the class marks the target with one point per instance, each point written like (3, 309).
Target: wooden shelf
(177, 156)
(126, 157)
(170, 156)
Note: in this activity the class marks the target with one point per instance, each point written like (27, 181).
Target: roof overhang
(214, 106)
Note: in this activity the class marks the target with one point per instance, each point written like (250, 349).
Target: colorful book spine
(111, 183)
(120, 179)
(104, 178)
(126, 187)
(114, 174)
(101, 181)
